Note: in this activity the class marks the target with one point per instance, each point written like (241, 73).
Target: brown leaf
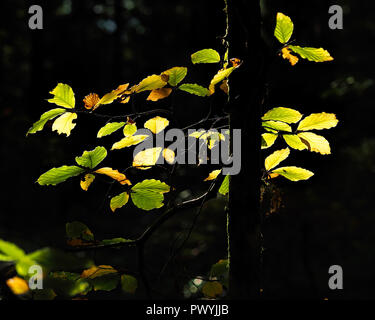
(91, 100)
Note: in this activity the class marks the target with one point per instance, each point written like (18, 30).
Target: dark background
(96, 45)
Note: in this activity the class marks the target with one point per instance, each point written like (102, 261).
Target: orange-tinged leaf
(18, 285)
(287, 55)
(78, 243)
(213, 175)
(91, 100)
(212, 289)
(114, 174)
(224, 86)
(158, 94)
(88, 179)
(273, 175)
(236, 62)
(98, 271)
(125, 100)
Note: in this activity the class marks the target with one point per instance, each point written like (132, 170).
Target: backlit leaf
(109, 128)
(129, 141)
(287, 55)
(213, 175)
(130, 129)
(148, 194)
(175, 75)
(315, 142)
(112, 96)
(294, 141)
(283, 114)
(146, 158)
(220, 76)
(275, 158)
(58, 175)
(18, 285)
(49, 115)
(150, 83)
(158, 94)
(90, 159)
(87, 181)
(157, 124)
(64, 123)
(224, 188)
(114, 174)
(205, 56)
(169, 155)
(294, 173)
(268, 139)
(318, 121)
(194, 89)
(119, 201)
(275, 126)
(312, 54)
(284, 28)
(91, 100)
(63, 96)
(10, 250)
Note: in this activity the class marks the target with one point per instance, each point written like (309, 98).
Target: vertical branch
(243, 40)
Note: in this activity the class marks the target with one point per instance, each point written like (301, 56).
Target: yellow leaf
(212, 289)
(268, 139)
(18, 285)
(318, 121)
(114, 174)
(88, 179)
(169, 155)
(157, 124)
(158, 94)
(64, 123)
(220, 76)
(129, 141)
(98, 271)
(315, 142)
(213, 175)
(91, 100)
(112, 96)
(125, 100)
(150, 83)
(287, 55)
(146, 158)
(275, 158)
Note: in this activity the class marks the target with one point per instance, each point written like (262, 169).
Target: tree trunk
(244, 41)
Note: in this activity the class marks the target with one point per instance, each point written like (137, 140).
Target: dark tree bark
(244, 41)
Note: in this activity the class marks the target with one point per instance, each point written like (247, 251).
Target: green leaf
(115, 241)
(68, 284)
(220, 76)
(130, 129)
(224, 188)
(119, 201)
(49, 115)
(283, 114)
(109, 128)
(176, 75)
(78, 230)
(294, 173)
(194, 89)
(205, 56)
(284, 28)
(220, 269)
(58, 175)
(318, 121)
(10, 251)
(312, 54)
(56, 260)
(268, 139)
(107, 282)
(275, 158)
(274, 126)
(148, 194)
(129, 284)
(63, 96)
(90, 159)
(294, 141)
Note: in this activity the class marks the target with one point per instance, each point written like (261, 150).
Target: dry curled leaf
(91, 100)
